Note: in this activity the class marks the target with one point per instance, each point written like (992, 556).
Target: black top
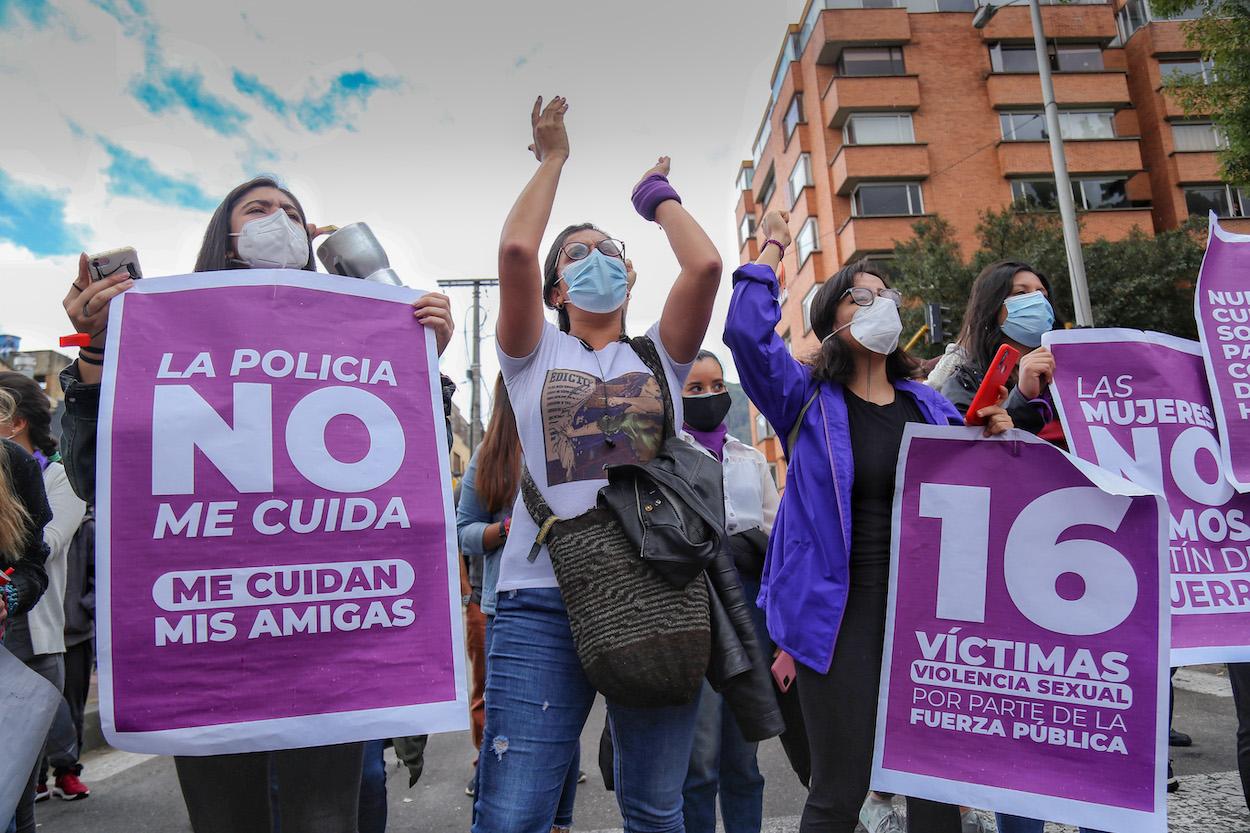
(29, 577)
(876, 434)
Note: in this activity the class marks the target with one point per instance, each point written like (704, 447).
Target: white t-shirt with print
(570, 401)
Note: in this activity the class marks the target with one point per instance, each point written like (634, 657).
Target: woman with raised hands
(843, 413)
(259, 225)
(583, 399)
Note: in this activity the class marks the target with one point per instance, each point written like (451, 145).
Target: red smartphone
(995, 378)
(783, 671)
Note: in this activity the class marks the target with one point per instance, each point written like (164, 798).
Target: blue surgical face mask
(597, 283)
(1028, 316)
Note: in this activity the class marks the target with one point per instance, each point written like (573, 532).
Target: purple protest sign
(1026, 634)
(1222, 308)
(276, 552)
(1137, 404)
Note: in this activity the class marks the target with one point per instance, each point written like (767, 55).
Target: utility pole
(1063, 185)
(475, 357)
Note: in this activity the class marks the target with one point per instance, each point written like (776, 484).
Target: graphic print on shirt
(588, 424)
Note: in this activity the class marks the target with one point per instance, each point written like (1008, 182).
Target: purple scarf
(713, 441)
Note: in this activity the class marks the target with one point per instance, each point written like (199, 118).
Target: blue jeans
(372, 811)
(537, 701)
(1019, 824)
(722, 761)
(564, 811)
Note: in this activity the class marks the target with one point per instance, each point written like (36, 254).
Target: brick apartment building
(883, 111)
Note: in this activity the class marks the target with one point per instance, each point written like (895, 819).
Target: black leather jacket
(78, 429)
(1028, 414)
(740, 668)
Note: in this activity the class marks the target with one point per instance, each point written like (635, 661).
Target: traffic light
(935, 318)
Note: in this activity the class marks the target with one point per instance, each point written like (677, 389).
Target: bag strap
(539, 510)
(793, 436)
(645, 348)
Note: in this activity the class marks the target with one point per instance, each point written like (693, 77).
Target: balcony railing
(847, 94)
(854, 164)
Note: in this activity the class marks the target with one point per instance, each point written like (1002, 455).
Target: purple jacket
(806, 573)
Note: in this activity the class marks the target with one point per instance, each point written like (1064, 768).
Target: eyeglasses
(862, 296)
(579, 251)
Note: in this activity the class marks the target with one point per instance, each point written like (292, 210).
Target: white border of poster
(1214, 229)
(1032, 805)
(258, 735)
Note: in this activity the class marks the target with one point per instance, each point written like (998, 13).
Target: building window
(1095, 194)
(763, 429)
(800, 177)
(1074, 125)
(807, 240)
(1181, 68)
(1202, 135)
(761, 140)
(1064, 57)
(768, 188)
(746, 230)
(745, 177)
(886, 60)
(1224, 200)
(1132, 17)
(878, 129)
(886, 199)
(794, 115)
(807, 307)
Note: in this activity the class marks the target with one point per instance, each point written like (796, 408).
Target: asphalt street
(139, 794)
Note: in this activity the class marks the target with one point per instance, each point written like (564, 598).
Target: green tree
(929, 269)
(1143, 282)
(1222, 34)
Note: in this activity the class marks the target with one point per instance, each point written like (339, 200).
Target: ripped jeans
(537, 702)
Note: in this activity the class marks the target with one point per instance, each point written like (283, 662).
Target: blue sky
(137, 117)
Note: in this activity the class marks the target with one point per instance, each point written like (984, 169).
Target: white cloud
(683, 79)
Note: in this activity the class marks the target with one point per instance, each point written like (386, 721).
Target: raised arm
(688, 309)
(520, 277)
(774, 380)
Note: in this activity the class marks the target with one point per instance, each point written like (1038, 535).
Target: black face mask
(704, 413)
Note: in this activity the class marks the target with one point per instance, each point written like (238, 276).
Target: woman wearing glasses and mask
(583, 399)
(259, 225)
(826, 576)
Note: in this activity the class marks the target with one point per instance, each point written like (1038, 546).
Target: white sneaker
(877, 815)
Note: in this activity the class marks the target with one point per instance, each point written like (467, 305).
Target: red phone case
(997, 375)
(783, 671)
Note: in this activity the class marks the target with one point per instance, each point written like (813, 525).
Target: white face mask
(877, 327)
(274, 241)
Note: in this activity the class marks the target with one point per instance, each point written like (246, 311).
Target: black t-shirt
(876, 434)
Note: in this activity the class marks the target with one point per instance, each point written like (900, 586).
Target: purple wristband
(649, 193)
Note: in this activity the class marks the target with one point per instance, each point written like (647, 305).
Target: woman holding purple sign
(826, 577)
(584, 398)
(1009, 304)
(259, 225)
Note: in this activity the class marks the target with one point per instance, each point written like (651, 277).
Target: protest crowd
(619, 542)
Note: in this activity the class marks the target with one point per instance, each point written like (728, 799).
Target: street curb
(92, 735)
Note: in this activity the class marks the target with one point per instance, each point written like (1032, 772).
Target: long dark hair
(215, 251)
(833, 361)
(980, 335)
(32, 405)
(551, 278)
(499, 456)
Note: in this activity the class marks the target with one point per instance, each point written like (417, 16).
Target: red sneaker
(41, 793)
(69, 788)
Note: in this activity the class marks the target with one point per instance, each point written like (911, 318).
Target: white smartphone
(109, 263)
